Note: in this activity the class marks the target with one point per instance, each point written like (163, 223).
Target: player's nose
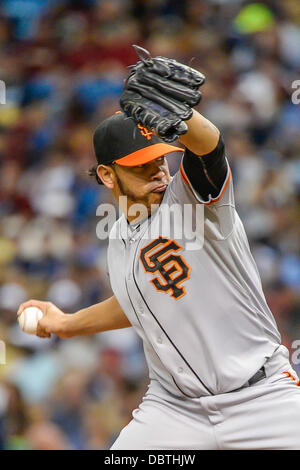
(157, 171)
(157, 174)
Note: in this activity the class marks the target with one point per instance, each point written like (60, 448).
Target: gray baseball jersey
(201, 312)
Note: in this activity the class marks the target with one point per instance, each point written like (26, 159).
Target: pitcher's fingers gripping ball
(43, 318)
(29, 318)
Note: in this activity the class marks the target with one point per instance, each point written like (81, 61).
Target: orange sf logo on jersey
(145, 132)
(159, 257)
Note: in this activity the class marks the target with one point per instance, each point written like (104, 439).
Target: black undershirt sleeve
(207, 173)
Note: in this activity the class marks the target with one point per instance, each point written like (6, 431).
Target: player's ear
(106, 174)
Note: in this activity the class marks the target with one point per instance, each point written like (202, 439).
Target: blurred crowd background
(63, 63)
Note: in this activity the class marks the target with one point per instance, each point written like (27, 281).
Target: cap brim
(147, 154)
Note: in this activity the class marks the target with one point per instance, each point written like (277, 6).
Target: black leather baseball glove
(160, 94)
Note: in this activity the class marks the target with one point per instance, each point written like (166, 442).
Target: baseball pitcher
(219, 376)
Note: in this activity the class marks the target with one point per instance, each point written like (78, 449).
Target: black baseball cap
(119, 139)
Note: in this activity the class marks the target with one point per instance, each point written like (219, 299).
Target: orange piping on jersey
(213, 200)
(183, 175)
(290, 376)
(223, 190)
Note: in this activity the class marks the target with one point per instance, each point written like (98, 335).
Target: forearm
(104, 316)
(202, 136)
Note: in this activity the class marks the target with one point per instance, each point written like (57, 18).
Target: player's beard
(148, 200)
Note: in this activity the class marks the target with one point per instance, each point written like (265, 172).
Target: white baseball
(28, 320)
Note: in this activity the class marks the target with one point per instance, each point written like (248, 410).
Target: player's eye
(157, 160)
(137, 167)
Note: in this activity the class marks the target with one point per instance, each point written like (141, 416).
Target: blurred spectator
(14, 418)
(46, 436)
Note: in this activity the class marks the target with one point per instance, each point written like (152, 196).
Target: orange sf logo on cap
(145, 132)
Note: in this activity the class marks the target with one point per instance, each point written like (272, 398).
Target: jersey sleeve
(208, 175)
(204, 179)
(210, 186)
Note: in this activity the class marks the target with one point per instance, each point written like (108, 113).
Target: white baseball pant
(265, 415)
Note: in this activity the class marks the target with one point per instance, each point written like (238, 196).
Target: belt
(259, 375)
